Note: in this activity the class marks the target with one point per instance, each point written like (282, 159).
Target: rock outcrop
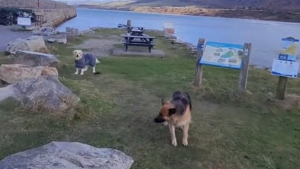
(46, 93)
(14, 73)
(68, 155)
(72, 33)
(35, 59)
(33, 43)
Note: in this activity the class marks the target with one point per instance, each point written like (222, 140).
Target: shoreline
(222, 13)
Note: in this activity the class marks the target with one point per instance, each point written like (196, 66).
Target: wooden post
(244, 69)
(199, 68)
(128, 23)
(280, 92)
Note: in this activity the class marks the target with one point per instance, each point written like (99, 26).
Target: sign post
(169, 28)
(286, 66)
(199, 69)
(226, 55)
(244, 69)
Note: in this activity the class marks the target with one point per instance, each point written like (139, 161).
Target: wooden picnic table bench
(139, 28)
(131, 40)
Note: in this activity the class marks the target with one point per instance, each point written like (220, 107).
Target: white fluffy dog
(82, 61)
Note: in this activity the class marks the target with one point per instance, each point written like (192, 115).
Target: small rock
(37, 32)
(51, 40)
(58, 40)
(14, 73)
(47, 31)
(85, 32)
(96, 28)
(62, 40)
(68, 155)
(35, 59)
(170, 36)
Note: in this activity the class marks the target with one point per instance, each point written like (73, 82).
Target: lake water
(265, 36)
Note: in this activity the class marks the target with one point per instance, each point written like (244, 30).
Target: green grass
(228, 131)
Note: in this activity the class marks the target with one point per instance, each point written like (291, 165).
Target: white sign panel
(285, 68)
(24, 21)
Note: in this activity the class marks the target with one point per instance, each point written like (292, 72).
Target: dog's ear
(172, 111)
(74, 52)
(163, 102)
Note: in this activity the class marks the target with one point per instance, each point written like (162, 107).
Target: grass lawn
(228, 132)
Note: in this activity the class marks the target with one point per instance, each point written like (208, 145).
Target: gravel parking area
(7, 35)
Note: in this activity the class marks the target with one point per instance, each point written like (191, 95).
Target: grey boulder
(33, 43)
(35, 59)
(72, 33)
(14, 73)
(42, 92)
(67, 155)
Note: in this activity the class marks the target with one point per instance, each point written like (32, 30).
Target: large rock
(46, 93)
(35, 59)
(14, 73)
(72, 33)
(67, 155)
(33, 43)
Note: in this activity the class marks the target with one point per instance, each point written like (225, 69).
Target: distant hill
(268, 4)
(277, 10)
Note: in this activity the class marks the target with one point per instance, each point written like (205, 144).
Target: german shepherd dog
(176, 113)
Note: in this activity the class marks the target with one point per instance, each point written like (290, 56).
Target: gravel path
(7, 35)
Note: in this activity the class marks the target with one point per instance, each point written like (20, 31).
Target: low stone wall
(54, 12)
(56, 17)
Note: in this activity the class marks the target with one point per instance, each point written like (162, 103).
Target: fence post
(128, 23)
(244, 69)
(199, 68)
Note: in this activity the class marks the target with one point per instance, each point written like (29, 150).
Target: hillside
(276, 10)
(269, 4)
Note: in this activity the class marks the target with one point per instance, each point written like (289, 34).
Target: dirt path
(99, 46)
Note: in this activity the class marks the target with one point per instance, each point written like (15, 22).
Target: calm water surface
(265, 36)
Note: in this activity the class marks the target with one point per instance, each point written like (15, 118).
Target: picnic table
(136, 31)
(142, 40)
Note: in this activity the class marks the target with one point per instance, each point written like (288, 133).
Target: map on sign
(289, 48)
(223, 55)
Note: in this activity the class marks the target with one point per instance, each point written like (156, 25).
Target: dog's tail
(190, 101)
(97, 61)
